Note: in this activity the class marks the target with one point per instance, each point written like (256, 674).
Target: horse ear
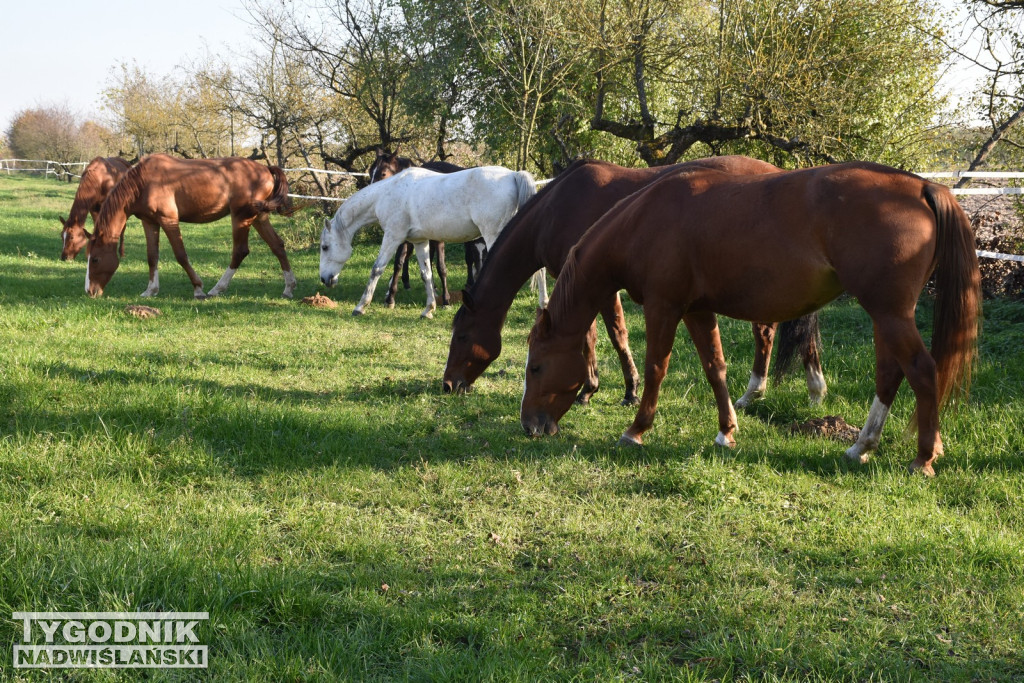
(467, 300)
(63, 221)
(542, 325)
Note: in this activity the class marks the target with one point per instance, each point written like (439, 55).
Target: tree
(794, 80)
(142, 107)
(54, 133)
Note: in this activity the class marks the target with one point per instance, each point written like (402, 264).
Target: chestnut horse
(98, 179)
(697, 243)
(419, 205)
(542, 235)
(386, 165)
(164, 191)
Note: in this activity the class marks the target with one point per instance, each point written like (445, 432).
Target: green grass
(298, 474)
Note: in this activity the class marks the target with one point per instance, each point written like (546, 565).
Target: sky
(58, 52)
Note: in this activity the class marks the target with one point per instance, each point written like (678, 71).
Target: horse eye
(535, 369)
(324, 247)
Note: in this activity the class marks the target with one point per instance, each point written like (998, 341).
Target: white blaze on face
(87, 260)
(525, 375)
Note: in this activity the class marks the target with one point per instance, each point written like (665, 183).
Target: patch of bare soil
(142, 312)
(828, 427)
(319, 301)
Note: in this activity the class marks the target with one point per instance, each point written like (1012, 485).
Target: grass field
(298, 474)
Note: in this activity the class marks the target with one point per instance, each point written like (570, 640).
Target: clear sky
(64, 51)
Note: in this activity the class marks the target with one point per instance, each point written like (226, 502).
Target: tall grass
(298, 474)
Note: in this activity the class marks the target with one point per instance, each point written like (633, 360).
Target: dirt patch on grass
(828, 427)
(319, 301)
(142, 312)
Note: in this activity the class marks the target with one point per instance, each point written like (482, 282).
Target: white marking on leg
(870, 434)
(755, 390)
(726, 441)
(289, 284)
(816, 386)
(154, 285)
(87, 283)
(540, 281)
(223, 282)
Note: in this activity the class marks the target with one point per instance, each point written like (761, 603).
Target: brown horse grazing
(98, 179)
(386, 165)
(164, 191)
(542, 235)
(697, 243)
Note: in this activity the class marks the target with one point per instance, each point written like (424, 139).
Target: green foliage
(298, 474)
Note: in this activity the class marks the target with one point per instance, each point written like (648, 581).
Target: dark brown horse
(542, 234)
(698, 243)
(164, 191)
(98, 179)
(388, 164)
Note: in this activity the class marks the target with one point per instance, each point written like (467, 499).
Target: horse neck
(360, 209)
(508, 266)
(584, 285)
(118, 205)
(87, 194)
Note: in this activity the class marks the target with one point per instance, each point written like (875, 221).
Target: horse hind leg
(423, 257)
(442, 271)
(276, 244)
(152, 232)
(764, 338)
(239, 250)
(900, 352)
(703, 329)
(590, 384)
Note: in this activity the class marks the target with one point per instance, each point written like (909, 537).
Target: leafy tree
(54, 133)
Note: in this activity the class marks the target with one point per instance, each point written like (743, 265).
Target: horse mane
(559, 305)
(124, 193)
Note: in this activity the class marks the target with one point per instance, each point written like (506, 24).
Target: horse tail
(802, 335)
(957, 314)
(526, 187)
(278, 201)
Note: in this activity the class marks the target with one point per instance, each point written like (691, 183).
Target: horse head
(473, 347)
(387, 164)
(74, 237)
(555, 371)
(101, 263)
(334, 252)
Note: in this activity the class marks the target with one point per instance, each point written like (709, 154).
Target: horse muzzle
(456, 386)
(539, 425)
(329, 281)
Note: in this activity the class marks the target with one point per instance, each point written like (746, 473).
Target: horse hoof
(201, 297)
(627, 440)
(583, 400)
(357, 312)
(389, 304)
(630, 401)
(922, 468)
(427, 315)
(287, 295)
(725, 441)
(856, 455)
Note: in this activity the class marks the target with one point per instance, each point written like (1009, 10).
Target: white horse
(419, 205)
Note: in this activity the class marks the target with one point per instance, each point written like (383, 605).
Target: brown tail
(278, 201)
(957, 315)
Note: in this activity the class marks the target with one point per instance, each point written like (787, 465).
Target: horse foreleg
(406, 253)
(152, 232)
(764, 337)
(173, 233)
(239, 250)
(590, 384)
(816, 386)
(615, 325)
(423, 258)
(703, 328)
(661, 332)
(388, 247)
(266, 231)
(442, 272)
